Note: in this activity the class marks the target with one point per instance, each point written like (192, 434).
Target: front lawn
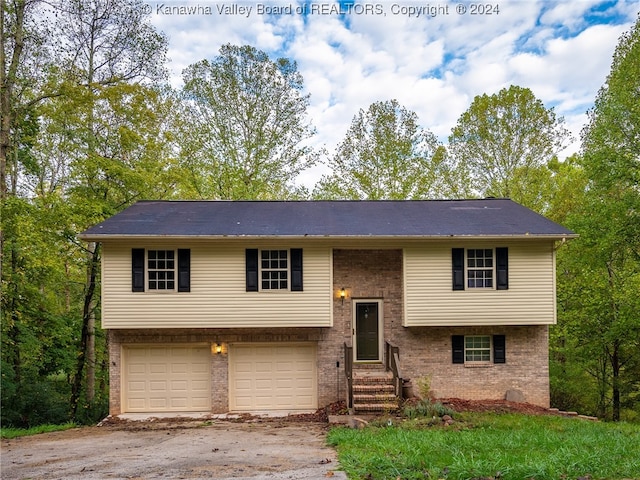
(488, 446)
(10, 433)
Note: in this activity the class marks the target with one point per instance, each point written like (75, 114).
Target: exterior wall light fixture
(343, 294)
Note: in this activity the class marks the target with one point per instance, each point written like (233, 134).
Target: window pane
(274, 269)
(477, 348)
(161, 269)
(480, 268)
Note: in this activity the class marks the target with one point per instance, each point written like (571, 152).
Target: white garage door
(272, 377)
(167, 378)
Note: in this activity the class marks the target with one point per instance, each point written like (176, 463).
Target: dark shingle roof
(411, 218)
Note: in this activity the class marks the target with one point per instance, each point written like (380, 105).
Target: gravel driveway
(213, 449)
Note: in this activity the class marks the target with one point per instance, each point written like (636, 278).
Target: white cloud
(432, 65)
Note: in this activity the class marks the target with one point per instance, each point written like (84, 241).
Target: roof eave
(527, 236)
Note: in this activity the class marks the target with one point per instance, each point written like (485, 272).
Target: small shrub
(424, 386)
(427, 408)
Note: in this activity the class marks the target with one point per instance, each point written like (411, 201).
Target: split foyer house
(224, 306)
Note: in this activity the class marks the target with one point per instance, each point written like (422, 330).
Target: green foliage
(34, 400)
(424, 386)
(599, 273)
(100, 142)
(386, 155)
(244, 126)
(503, 143)
(426, 408)
(611, 139)
(9, 433)
(505, 446)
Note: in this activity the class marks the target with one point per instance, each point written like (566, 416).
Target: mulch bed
(495, 406)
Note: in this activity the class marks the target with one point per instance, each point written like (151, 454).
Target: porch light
(343, 294)
(216, 348)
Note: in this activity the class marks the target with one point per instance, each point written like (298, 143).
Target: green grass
(23, 432)
(508, 446)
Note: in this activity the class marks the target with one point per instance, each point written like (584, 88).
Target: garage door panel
(268, 377)
(158, 368)
(179, 386)
(160, 379)
(158, 404)
(200, 386)
(264, 384)
(284, 383)
(158, 386)
(263, 368)
(200, 368)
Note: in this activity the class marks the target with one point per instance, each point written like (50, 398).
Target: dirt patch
(251, 448)
(495, 406)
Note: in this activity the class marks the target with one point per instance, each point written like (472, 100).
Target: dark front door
(367, 332)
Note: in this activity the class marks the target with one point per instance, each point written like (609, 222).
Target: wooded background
(90, 125)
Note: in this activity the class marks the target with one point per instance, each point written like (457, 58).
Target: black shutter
(252, 269)
(184, 270)
(137, 269)
(457, 348)
(499, 349)
(457, 260)
(296, 269)
(502, 268)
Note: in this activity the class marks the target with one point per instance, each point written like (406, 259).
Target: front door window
(367, 332)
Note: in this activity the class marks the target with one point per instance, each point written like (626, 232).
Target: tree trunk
(615, 368)
(87, 313)
(91, 355)
(8, 74)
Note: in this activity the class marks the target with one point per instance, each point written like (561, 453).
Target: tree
(386, 155)
(504, 142)
(601, 271)
(82, 147)
(105, 46)
(246, 126)
(23, 58)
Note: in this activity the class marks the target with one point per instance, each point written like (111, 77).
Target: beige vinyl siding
(431, 301)
(218, 296)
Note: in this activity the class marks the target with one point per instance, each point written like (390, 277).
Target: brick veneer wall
(424, 351)
(219, 363)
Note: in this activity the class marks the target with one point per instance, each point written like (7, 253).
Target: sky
(433, 57)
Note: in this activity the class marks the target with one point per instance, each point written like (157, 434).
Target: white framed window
(477, 349)
(274, 269)
(480, 268)
(161, 270)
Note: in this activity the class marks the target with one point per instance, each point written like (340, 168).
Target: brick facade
(424, 351)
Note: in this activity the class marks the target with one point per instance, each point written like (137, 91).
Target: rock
(357, 423)
(339, 419)
(514, 396)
